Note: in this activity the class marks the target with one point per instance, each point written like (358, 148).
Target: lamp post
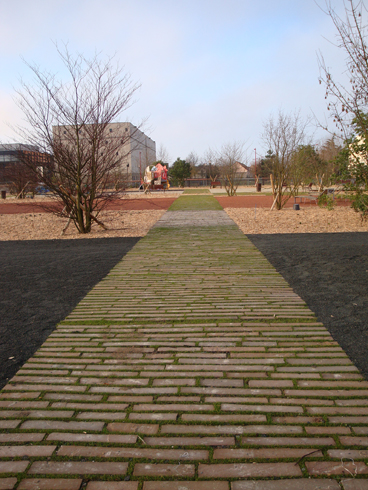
(255, 165)
(140, 167)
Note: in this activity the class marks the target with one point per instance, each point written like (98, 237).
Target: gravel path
(41, 282)
(330, 272)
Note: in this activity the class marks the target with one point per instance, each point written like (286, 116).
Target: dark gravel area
(41, 282)
(329, 271)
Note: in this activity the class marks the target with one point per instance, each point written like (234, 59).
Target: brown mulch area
(263, 202)
(119, 204)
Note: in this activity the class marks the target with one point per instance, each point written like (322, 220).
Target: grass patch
(195, 203)
(196, 191)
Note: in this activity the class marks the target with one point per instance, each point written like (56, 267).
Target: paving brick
(192, 407)
(336, 468)
(106, 485)
(338, 410)
(361, 430)
(18, 396)
(354, 441)
(289, 441)
(193, 417)
(37, 414)
(175, 382)
(130, 428)
(13, 466)
(29, 451)
(222, 382)
(9, 424)
(77, 468)
(19, 437)
(180, 470)
(153, 416)
(281, 453)
(45, 387)
(292, 484)
(270, 383)
(50, 484)
(230, 429)
(189, 441)
(90, 406)
(57, 424)
(348, 453)
(351, 484)
(98, 438)
(101, 416)
(115, 452)
(348, 420)
(244, 470)
(178, 399)
(22, 404)
(70, 398)
(185, 485)
(7, 483)
(129, 399)
(328, 430)
(260, 408)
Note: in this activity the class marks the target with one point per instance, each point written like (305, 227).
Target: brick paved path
(192, 366)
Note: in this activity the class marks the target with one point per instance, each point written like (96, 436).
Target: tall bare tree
(282, 137)
(70, 120)
(348, 101)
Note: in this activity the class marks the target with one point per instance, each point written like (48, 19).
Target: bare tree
(163, 155)
(282, 137)
(228, 159)
(348, 102)
(193, 160)
(20, 179)
(71, 121)
(210, 165)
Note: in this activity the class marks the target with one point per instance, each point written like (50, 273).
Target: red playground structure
(155, 177)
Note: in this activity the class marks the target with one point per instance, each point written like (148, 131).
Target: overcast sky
(211, 71)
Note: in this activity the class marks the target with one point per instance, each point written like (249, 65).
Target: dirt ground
(137, 222)
(265, 201)
(127, 204)
(46, 226)
(310, 219)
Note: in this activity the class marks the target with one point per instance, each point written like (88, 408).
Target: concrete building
(136, 148)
